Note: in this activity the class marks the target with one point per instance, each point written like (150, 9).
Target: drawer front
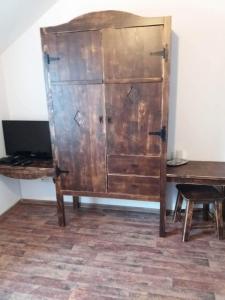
(134, 185)
(137, 165)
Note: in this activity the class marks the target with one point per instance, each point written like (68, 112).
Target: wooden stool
(198, 194)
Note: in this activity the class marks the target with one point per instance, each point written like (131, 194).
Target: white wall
(9, 188)
(197, 105)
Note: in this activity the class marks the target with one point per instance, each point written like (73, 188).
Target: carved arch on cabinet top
(104, 19)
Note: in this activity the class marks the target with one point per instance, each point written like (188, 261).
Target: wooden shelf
(38, 169)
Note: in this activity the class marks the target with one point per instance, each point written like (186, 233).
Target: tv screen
(28, 138)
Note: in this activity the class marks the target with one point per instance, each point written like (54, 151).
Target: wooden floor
(105, 254)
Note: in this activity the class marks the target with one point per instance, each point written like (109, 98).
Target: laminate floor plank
(105, 254)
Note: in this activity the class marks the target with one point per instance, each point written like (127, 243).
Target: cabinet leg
(162, 229)
(76, 202)
(61, 210)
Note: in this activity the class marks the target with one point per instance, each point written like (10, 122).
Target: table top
(201, 172)
(38, 169)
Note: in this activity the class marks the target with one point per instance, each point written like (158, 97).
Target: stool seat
(198, 194)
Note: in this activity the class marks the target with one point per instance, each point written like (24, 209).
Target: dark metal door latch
(164, 53)
(49, 58)
(161, 133)
(58, 171)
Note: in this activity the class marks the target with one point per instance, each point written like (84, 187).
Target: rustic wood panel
(80, 136)
(131, 56)
(165, 107)
(203, 172)
(75, 56)
(112, 195)
(105, 19)
(131, 74)
(38, 169)
(139, 165)
(133, 110)
(136, 185)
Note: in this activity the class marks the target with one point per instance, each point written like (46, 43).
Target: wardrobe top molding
(106, 19)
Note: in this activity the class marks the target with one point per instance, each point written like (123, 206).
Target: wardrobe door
(129, 54)
(133, 73)
(80, 136)
(133, 111)
(75, 56)
(74, 61)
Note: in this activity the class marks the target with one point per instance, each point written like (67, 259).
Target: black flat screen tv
(27, 138)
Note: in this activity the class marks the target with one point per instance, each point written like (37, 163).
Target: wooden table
(38, 169)
(199, 172)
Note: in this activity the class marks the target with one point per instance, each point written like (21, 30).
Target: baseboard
(169, 212)
(95, 206)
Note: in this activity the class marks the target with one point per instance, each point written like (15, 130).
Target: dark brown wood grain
(38, 169)
(188, 220)
(105, 78)
(80, 136)
(105, 19)
(78, 57)
(131, 56)
(133, 110)
(199, 194)
(219, 218)
(112, 195)
(202, 172)
(165, 107)
(134, 185)
(130, 164)
(178, 207)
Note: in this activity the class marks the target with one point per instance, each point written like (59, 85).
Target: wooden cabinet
(107, 88)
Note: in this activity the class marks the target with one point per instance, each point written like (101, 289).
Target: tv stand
(37, 169)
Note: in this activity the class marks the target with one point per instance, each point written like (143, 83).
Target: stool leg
(219, 218)
(76, 202)
(188, 220)
(178, 206)
(206, 211)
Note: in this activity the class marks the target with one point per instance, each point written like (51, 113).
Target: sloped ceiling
(17, 15)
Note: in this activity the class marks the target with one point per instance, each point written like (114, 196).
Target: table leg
(60, 203)
(76, 202)
(162, 229)
(60, 209)
(206, 211)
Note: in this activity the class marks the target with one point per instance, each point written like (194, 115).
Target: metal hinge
(164, 53)
(161, 133)
(49, 58)
(58, 171)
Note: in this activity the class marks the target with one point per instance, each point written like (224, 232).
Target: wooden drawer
(137, 165)
(136, 185)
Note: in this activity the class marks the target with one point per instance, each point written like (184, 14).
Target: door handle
(161, 133)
